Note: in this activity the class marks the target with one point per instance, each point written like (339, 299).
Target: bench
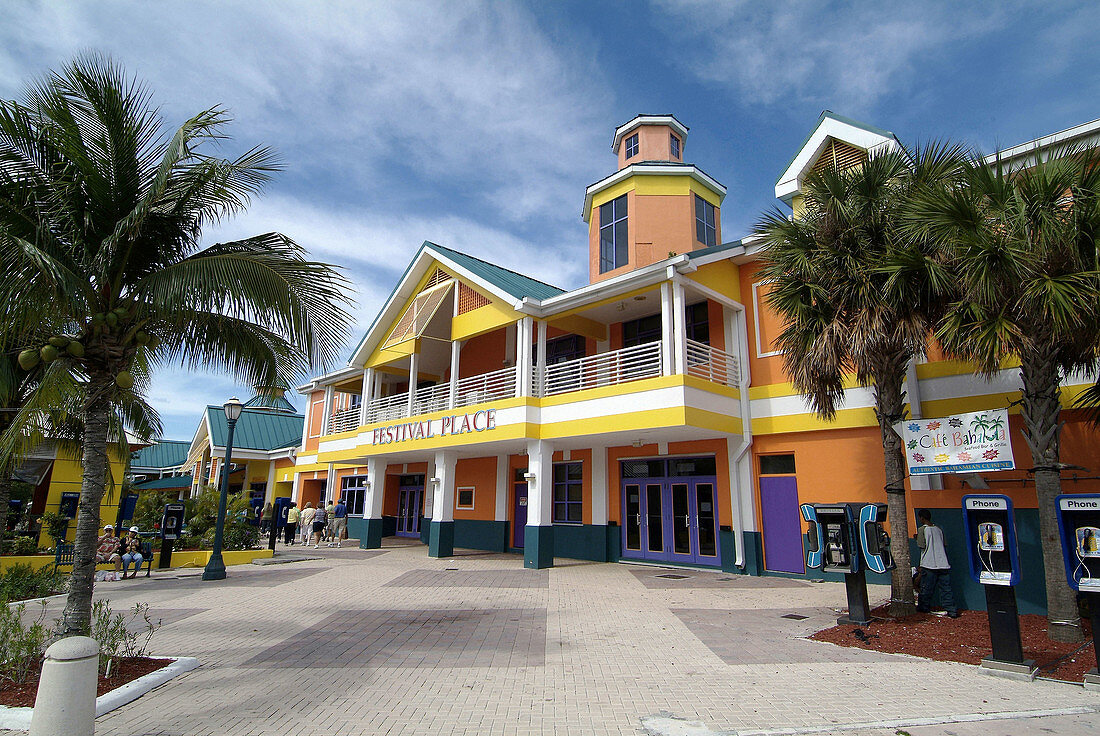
(65, 554)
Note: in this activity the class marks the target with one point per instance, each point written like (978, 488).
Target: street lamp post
(215, 567)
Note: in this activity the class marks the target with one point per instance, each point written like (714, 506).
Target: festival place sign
(961, 443)
(453, 424)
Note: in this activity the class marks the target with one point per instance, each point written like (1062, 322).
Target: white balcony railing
(344, 420)
(486, 387)
(387, 408)
(432, 398)
(712, 364)
(603, 369)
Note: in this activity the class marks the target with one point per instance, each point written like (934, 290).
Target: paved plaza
(394, 642)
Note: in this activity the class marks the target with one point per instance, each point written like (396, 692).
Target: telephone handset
(1088, 541)
(835, 549)
(991, 537)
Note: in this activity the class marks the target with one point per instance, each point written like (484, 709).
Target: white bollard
(65, 704)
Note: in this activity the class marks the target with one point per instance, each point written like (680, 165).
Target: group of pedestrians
(328, 524)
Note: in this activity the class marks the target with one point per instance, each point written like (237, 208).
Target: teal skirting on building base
(727, 550)
(754, 558)
(491, 536)
(372, 533)
(613, 539)
(581, 542)
(538, 547)
(425, 525)
(441, 539)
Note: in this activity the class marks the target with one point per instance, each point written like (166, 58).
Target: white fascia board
(649, 170)
(641, 120)
(201, 433)
(791, 181)
(334, 377)
(1088, 131)
(654, 273)
(728, 254)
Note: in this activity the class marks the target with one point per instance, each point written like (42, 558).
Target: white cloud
(843, 55)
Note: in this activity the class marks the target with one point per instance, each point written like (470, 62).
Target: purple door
(409, 502)
(519, 515)
(781, 524)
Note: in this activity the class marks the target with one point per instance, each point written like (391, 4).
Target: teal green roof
(714, 249)
(161, 454)
(515, 284)
(839, 119)
(267, 401)
(257, 429)
(164, 484)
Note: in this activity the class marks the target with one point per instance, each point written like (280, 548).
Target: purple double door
(519, 515)
(671, 520)
(410, 504)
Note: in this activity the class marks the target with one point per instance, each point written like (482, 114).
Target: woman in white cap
(131, 553)
(107, 549)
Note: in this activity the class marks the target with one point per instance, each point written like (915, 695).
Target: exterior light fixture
(215, 566)
(529, 476)
(637, 443)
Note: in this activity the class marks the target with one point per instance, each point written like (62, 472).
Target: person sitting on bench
(131, 553)
(107, 549)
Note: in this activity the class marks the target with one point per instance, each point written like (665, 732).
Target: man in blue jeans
(340, 523)
(935, 569)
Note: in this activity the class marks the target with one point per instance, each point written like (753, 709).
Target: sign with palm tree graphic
(960, 443)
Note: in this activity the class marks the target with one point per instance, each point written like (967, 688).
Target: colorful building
(645, 416)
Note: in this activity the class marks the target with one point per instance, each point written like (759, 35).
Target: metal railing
(712, 364)
(492, 386)
(389, 407)
(344, 420)
(432, 398)
(603, 369)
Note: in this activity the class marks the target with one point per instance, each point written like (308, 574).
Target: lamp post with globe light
(215, 567)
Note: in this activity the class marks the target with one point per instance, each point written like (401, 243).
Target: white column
(296, 490)
(376, 488)
(269, 496)
(540, 488)
(326, 411)
(456, 351)
(599, 486)
(367, 394)
(414, 370)
(540, 360)
(330, 484)
(501, 511)
(443, 508)
(679, 329)
(429, 488)
(667, 336)
(524, 361)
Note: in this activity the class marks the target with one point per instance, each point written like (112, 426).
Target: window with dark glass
(698, 327)
(642, 331)
(632, 146)
(562, 349)
(705, 231)
(464, 498)
(613, 234)
(353, 490)
(777, 465)
(674, 146)
(568, 493)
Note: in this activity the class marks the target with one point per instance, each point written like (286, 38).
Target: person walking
(291, 529)
(319, 519)
(265, 518)
(935, 568)
(130, 547)
(330, 520)
(340, 522)
(306, 522)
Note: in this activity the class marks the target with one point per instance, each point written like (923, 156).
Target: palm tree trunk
(1041, 409)
(890, 406)
(5, 495)
(78, 608)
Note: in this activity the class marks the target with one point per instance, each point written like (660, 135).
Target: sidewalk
(393, 642)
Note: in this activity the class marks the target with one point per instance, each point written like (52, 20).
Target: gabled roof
(516, 284)
(161, 454)
(257, 429)
(829, 125)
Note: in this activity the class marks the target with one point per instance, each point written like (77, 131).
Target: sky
(478, 125)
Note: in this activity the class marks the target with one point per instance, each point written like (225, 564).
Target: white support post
(538, 548)
(330, 484)
(679, 329)
(414, 370)
(540, 360)
(500, 513)
(296, 489)
(443, 509)
(326, 410)
(269, 495)
(456, 353)
(599, 486)
(667, 336)
(367, 394)
(524, 338)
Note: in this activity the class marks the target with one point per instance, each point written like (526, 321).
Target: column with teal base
(538, 536)
(441, 533)
(372, 503)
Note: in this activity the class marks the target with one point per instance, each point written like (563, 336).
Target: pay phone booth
(995, 563)
(278, 517)
(1079, 529)
(848, 538)
(171, 527)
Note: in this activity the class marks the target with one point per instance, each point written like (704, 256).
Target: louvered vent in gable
(839, 155)
(469, 300)
(419, 314)
(437, 278)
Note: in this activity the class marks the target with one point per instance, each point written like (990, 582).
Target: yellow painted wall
(66, 478)
(185, 559)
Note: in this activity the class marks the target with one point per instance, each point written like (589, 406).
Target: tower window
(705, 231)
(632, 146)
(613, 235)
(674, 146)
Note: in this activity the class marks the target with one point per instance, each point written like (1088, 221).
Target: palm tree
(1021, 243)
(101, 215)
(856, 297)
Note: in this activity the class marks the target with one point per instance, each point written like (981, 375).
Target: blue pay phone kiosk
(171, 527)
(848, 538)
(1079, 529)
(994, 562)
(874, 542)
(282, 507)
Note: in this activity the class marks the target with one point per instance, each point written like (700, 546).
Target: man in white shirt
(935, 569)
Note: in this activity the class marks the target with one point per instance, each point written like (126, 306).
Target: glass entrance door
(409, 510)
(671, 519)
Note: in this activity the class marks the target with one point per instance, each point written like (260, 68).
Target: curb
(19, 719)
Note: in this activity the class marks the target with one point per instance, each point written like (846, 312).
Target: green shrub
(202, 511)
(56, 526)
(21, 646)
(150, 508)
(121, 635)
(24, 546)
(20, 582)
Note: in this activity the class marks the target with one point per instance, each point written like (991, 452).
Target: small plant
(121, 635)
(20, 582)
(56, 525)
(21, 646)
(24, 546)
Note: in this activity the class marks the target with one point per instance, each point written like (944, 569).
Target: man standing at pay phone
(935, 568)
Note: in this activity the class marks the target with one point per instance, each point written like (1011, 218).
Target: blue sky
(478, 125)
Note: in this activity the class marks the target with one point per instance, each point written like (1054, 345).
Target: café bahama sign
(452, 424)
(960, 443)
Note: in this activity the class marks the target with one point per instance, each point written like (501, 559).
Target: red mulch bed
(964, 639)
(123, 671)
